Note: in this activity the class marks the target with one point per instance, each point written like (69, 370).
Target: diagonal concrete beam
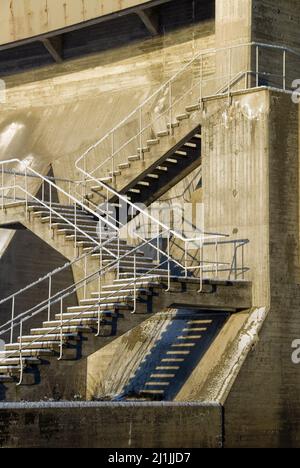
(54, 47)
(150, 19)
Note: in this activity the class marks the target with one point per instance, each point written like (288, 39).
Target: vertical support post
(15, 187)
(169, 263)
(230, 75)
(185, 259)
(2, 183)
(49, 298)
(118, 269)
(200, 265)
(85, 277)
(284, 70)
(61, 330)
(26, 193)
(12, 319)
(257, 66)
(158, 245)
(50, 207)
(113, 158)
(21, 354)
(216, 259)
(171, 107)
(75, 229)
(141, 133)
(201, 81)
(134, 285)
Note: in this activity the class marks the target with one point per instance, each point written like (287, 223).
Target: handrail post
(21, 354)
(158, 245)
(134, 285)
(49, 298)
(12, 319)
(284, 70)
(185, 259)
(15, 187)
(2, 183)
(61, 330)
(201, 81)
(230, 74)
(26, 193)
(75, 228)
(141, 133)
(85, 278)
(112, 158)
(118, 267)
(171, 107)
(200, 266)
(169, 263)
(257, 66)
(216, 259)
(50, 205)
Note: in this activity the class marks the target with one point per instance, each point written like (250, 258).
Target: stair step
(120, 291)
(52, 337)
(86, 322)
(136, 157)
(153, 142)
(116, 173)
(105, 306)
(163, 133)
(74, 330)
(14, 361)
(50, 345)
(193, 108)
(9, 369)
(112, 299)
(134, 190)
(162, 168)
(124, 166)
(153, 176)
(190, 145)
(143, 150)
(144, 184)
(29, 352)
(198, 136)
(173, 125)
(172, 161)
(6, 379)
(181, 153)
(71, 317)
(183, 117)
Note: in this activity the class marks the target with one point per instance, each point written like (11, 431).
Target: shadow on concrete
(175, 355)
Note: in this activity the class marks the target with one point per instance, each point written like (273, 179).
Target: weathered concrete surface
(266, 394)
(105, 425)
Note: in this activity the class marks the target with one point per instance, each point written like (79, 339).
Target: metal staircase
(157, 145)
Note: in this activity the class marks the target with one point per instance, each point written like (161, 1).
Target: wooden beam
(150, 20)
(54, 47)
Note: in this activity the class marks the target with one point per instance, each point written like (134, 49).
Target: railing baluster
(12, 319)
(49, 297)
(61, 330)
(21, 354)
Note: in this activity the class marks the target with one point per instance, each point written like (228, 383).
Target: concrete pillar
(233, 27)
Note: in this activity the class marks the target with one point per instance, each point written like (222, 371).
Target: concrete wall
(235, 179)
(265, 396)
(20, 20)
(101, 425)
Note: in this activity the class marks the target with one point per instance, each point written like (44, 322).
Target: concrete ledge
(111, 425)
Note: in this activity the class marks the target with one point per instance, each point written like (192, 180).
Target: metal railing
(241, 67)
(60, 297)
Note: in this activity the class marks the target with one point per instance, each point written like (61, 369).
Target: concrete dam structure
(149, 215)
